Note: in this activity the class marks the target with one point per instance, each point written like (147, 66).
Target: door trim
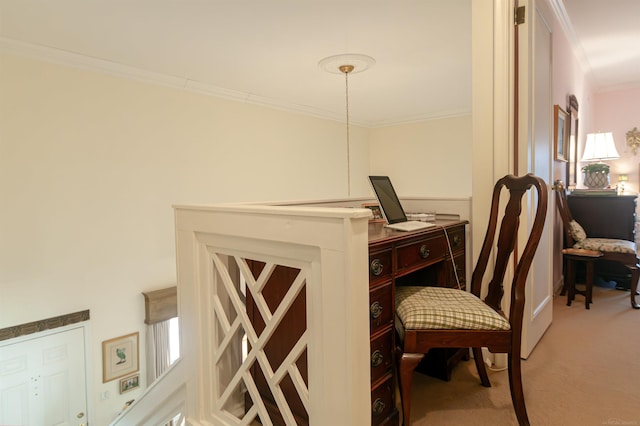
(42, 325)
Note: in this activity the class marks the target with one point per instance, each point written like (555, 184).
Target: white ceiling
(268, 51)
(607, 36)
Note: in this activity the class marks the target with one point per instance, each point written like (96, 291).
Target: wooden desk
(404, 258)
(395, 258)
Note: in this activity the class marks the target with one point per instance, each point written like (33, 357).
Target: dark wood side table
(588, 257)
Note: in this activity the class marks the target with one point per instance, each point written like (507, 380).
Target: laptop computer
(391, 208)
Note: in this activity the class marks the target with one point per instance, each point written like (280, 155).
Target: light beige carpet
(584, 371)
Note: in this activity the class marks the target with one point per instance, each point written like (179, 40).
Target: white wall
(430, 158)
(619, 112)
(90, 165)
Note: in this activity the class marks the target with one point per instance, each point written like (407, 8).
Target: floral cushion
(577, 231)
(606, 245)
(445, 309)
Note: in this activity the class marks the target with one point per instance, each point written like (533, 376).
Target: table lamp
(599, 146)
(621, 180)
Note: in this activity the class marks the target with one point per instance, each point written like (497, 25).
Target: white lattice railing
(324, 250)
(227, 256)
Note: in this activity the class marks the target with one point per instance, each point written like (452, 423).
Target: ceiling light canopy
(359, 62)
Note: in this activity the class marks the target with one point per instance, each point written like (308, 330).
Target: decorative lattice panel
(259, 370)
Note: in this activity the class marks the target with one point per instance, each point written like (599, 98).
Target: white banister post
(327, 244)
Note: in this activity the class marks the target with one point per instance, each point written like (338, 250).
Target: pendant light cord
(346, 69)
(345, 64)
(346, 84)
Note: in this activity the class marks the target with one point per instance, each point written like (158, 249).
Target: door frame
(494, 112)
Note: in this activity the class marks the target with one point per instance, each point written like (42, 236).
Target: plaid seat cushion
(445, 309)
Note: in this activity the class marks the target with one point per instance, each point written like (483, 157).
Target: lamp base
(596, 180)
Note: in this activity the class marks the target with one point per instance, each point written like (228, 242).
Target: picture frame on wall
(129, 383)
(375, 209)
(560, 139)
(120, 357)
(572, 164)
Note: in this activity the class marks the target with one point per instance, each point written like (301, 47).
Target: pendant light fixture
(350, 63)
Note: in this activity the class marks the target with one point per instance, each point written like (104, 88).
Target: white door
(535, 155)
(42, 380)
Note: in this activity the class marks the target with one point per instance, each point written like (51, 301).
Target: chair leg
(588, 293)
(517, 394)
(635, 275)
(480, 366)
(570, 281)
(565, 284)
(407, 363)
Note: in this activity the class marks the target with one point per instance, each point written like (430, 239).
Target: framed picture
(129, 383)
(375, 209)
(120, 357)
(572, 165)
(561, 128)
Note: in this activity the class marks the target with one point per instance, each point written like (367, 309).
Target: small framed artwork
(560, 126)
(120, 357)
(129, 383)
(375, 209)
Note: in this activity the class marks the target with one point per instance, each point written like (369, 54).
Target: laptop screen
(389, 203)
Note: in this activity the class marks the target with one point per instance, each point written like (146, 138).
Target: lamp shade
(600, 146)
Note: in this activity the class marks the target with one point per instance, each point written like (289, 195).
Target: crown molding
(62, 57)
(439, 115)
(70, 59)
(565, 23)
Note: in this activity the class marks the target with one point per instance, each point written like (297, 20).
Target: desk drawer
(420, 253)
(380, 266)
(456, 238)
(382, 401)
(381, 354)
(380, 307)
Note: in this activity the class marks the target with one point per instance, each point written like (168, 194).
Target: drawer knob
(375, 309)
(376, 358)
(456, 240)
(377, 407)
(424, 251)
(376, 267)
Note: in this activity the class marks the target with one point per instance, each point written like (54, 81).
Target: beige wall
(432, 157)
(90, 165)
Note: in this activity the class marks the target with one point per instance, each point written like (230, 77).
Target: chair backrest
(565, 213)
(506, 244)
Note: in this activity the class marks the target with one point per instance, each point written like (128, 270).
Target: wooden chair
(436, 317)
(620, 251)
